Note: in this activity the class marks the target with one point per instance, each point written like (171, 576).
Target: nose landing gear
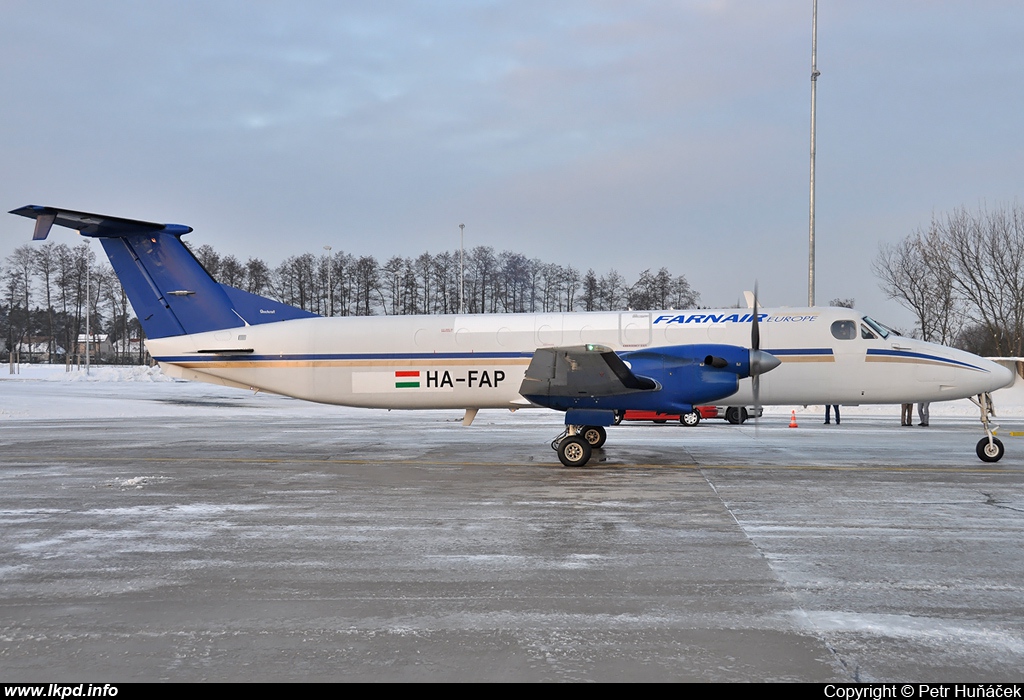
(990, 448)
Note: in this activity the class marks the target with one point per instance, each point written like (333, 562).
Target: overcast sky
(623, 134)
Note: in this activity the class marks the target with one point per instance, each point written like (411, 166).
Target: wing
(580, 371)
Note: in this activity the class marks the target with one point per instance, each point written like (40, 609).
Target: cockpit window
(879, 328)
(844, 330)
(866, 333)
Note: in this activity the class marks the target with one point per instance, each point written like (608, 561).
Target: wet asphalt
(183, 532)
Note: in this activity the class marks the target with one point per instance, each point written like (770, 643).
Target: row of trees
(963, 278)
(44, 289)
(50, 289)
(343, 284)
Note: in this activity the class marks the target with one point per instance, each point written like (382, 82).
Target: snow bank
(97, 373)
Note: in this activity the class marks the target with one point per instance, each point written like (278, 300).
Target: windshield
(880, 328)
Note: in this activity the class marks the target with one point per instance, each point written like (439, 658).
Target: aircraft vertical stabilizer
(170, 291)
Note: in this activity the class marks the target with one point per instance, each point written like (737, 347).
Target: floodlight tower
(814, 84)
(462, 273)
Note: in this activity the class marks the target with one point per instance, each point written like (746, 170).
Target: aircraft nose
(1002, 376)
(761, 362)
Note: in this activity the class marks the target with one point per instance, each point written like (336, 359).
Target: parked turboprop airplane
(589, 365)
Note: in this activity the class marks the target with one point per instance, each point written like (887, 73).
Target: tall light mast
(814, 84)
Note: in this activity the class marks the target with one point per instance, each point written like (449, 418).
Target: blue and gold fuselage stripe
(919, 358)
(239, 361)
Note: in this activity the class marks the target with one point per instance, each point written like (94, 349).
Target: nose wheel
(990, 448)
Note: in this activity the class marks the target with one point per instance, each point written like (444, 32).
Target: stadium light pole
(462, 266)
(814, 85)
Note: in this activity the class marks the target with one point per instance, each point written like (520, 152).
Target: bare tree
(367, 285)
(612, 288)
(683, 295)
(643, 293)
(570, 285)
(391, 275)
(232, 272)
(591, 291)
(257, 276)
(208, 258)
(966, 267)
(984, 254)
(446, 282)
(46, 265)
(919, 280)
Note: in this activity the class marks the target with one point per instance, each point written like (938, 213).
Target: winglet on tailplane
(171, 292)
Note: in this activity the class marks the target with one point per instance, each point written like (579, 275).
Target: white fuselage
(478, 361)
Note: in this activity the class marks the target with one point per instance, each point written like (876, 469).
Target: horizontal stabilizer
(93, 225)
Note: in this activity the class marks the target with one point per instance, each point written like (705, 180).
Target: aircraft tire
(619, 416)
(595, 435)
(661, 421)
(574, 451)
(990, 452)
(690, 419)
(736, 414)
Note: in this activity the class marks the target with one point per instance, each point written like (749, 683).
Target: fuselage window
(844, 330)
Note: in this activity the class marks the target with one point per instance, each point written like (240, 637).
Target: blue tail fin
(171, 292)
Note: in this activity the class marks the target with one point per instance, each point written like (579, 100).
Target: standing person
(907, 417)
(922, 413)
(828, 408)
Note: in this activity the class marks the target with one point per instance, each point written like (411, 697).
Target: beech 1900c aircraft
(589, 365)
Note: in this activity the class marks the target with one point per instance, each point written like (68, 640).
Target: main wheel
(990, 452)
(574, 451)
(736, 414)
(661, 421)
(692, 418)
(595, 435)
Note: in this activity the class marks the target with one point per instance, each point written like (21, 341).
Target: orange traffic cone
(792, 422)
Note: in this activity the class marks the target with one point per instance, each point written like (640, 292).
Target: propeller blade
(755, 330)
(757, 403)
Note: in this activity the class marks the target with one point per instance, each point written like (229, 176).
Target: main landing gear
(576, 445)
(990, 448)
